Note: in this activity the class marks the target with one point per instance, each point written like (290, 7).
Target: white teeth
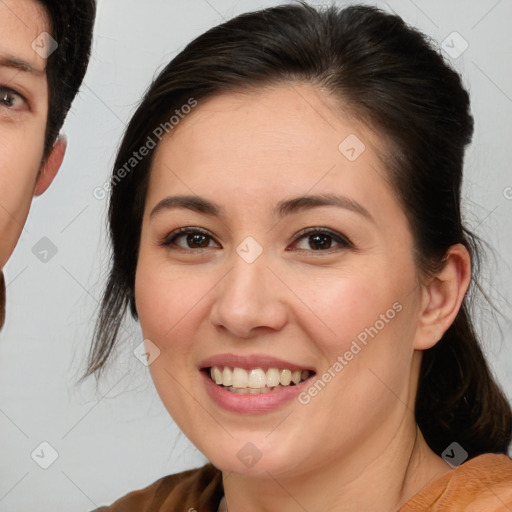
(272, 377)
(240, 378)
(217, 375)
(285, 377)
(227, 376)
(256, 380)
(296, 376)
(253, 391)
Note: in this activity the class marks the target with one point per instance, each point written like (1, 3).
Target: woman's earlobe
(51, 166)
(445, 294)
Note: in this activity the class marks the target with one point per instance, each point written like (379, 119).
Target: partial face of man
(23, 116)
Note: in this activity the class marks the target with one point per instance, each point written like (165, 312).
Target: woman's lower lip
(250, 404)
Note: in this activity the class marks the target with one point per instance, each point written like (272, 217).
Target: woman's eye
(11, 99)
(188, 238)
(321, 241)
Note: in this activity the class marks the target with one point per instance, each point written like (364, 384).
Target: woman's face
(296, 256)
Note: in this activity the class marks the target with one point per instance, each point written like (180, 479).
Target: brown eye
(320, 240)
(195, 241)
(189, 238)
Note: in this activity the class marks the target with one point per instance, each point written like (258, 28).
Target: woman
(285, 219)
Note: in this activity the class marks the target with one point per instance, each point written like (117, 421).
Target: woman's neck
(362, 481)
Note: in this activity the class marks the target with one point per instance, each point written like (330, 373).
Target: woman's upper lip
(252, 361)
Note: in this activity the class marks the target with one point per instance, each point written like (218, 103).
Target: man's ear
(443, 296)
(51, 166)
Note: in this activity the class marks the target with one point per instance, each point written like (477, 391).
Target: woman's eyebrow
(194, 203)
(282, 209)
(297, 204)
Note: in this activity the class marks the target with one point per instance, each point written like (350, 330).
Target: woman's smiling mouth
(254, 384)
(256, 380)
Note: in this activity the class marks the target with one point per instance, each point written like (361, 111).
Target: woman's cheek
(340, 307)
(167, 300)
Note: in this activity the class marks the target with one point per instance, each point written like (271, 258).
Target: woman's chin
(250, 458)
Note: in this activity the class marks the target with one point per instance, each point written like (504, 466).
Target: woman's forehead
(251, 155)
(280, 130)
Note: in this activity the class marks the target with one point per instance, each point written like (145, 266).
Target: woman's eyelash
(342, 240)
(202, 235)
(171, 238)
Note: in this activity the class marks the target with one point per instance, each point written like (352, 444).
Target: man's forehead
(22, 24)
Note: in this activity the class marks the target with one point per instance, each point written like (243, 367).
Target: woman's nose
(249, 300)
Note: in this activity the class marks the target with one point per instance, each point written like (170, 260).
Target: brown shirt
(482, 484)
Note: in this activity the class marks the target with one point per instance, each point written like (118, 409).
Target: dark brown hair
(72, 24)
(389, 76)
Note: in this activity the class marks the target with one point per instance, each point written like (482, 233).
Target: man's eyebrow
(283, 208)
(20, 65)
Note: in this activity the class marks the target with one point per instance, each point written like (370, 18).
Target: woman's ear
(51, 166)
(443, 296)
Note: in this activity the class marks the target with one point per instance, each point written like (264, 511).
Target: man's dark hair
(72, 24)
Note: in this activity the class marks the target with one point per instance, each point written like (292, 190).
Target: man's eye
(189, 238)
(11, 99)
(321, 240)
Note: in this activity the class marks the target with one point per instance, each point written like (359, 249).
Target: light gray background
(119, 437)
